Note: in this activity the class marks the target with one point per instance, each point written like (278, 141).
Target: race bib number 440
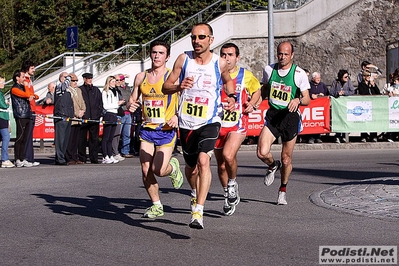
(280, 94)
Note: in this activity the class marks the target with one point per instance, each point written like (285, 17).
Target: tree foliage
(36, 29)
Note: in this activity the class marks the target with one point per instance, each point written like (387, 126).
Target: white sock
(157, 202)
(193, 193)
(232, 181)
(199, 208)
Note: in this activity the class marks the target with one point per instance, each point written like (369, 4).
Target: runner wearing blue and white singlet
(201, 104)
(199, 73)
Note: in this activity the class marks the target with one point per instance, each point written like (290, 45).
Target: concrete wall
(356, 33)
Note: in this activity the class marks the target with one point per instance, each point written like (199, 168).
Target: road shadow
(355, 175)
(106, 208)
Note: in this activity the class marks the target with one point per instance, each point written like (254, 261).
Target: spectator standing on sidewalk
(111, 103)
(368, 87)
(49, 99)
(94, 107)
(63, 111)
(79, 108)
(342, 86)
(22, 112)
(28, 67)
(4, 128)
(126, 121)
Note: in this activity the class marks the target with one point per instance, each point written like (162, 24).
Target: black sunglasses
(201, 37)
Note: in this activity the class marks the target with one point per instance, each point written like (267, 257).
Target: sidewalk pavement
(47, 149)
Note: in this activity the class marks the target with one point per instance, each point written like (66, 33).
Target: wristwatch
(232, 95)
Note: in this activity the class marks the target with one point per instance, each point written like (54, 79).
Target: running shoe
(25, 163)
(153, 211)
(227, 209)
(232, 193)
(112, 158)
(119, 158)
(193, 203)
(282, 198)
(35, 164)
(18, 163)
(269, 178)
(197, 221)
(107, 160)
(7, 164)
(176, 176)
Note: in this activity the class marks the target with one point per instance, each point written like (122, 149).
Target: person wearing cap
(79, 108)
(94, 107)
(63, 111)
(124, 131)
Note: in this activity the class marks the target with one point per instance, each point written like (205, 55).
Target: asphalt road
(91, 214)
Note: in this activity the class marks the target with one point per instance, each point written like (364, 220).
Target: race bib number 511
(196, 106)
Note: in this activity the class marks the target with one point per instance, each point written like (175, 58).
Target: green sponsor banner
(360, 114)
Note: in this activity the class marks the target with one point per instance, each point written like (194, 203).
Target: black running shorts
(283, 123)
(202, 139)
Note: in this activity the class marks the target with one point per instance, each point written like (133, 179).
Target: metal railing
(101, 62)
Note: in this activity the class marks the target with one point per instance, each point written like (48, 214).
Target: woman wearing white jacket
(111, 103)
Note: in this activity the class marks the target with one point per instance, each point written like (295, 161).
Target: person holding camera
(366, 65)
(368, 87)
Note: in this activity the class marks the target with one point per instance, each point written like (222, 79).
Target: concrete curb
(275, 147)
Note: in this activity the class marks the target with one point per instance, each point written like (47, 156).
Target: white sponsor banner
(393, 112)
(359, 111)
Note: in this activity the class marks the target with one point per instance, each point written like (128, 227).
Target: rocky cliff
(360, 32)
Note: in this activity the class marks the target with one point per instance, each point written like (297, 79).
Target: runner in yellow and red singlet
(234, 125)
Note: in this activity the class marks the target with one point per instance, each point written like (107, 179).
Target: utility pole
(270, 31)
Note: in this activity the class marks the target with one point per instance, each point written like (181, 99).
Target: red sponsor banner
(44, 126)
(315, 117)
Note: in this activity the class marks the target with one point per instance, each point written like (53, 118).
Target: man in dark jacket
(63, 110)
(94, 106)
(22, 114)
(317, 89)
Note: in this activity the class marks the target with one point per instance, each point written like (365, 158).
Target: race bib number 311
(154, 111)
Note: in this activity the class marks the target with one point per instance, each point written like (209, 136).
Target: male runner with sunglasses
(201, 74)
